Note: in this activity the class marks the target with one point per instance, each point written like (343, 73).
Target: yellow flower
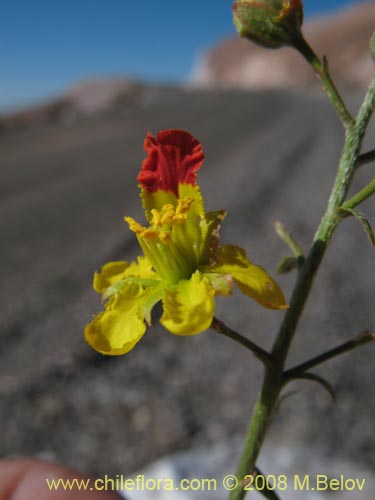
(183, 266)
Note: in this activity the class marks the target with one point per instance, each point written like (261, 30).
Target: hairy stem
(273, 380)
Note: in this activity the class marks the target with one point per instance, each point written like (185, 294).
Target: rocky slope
(64, 191)
(343, 38)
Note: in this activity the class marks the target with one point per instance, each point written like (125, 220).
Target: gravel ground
(64, 190)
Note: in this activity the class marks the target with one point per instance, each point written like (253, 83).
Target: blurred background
(82, 83)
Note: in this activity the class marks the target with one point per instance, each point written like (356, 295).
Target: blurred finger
(27, 480)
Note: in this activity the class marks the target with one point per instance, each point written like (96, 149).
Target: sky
(48, 45)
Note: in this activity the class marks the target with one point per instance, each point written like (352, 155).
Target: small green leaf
(268, 490)
(285, 396)
(363, 221)
(315, 378)
(286, 265)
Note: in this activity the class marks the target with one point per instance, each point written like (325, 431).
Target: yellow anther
(156, 219)
(149, 234)
(164, 237)
(167, 214)
(166, 219)
(167, 208)
(134, 225)
(183, 204)
(179, 218)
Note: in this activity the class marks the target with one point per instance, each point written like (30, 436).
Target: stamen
(185, 243)
(151, 251)
(172, 241)
(183, 204)
(156, 220)
(179, 218)
(180, 267)
(134, 225)
(164, 237)
(149, 234)
(167, 213)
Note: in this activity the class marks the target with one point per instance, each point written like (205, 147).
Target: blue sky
(47, 45)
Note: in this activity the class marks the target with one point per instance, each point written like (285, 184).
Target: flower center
(172, 241)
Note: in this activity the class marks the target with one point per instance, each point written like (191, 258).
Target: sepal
(252, 280)
(210, 227)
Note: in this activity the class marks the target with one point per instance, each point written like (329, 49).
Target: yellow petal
(116, 330)
(116, 271)
(110, 273)
(141, 269)
(252, 280)
(188, 307)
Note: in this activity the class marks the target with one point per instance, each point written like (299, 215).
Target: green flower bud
(270, 23)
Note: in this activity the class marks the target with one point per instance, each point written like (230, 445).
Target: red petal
(173, 159)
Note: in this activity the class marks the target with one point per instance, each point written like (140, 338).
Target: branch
(361, 339)
(365, 158)
(367, 109)
(361, 196)
(322, 71)
(260, 353)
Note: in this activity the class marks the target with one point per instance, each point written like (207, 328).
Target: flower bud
(270, 23)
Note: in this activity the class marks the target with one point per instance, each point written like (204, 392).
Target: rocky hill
(343, 37)
(84, 98)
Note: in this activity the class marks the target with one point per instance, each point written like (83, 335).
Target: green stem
(223, 329)
(273, 380)
(361, 196)
(361, 339)
(322, 71)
